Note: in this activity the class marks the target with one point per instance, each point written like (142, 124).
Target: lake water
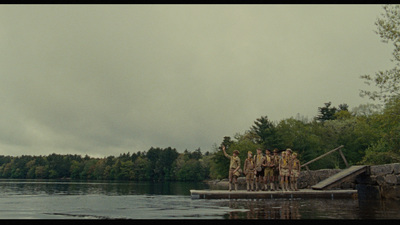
(45, 199)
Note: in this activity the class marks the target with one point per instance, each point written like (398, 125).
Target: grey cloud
(101, 80)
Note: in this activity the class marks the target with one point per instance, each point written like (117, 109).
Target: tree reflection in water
(237, 209)
(264, 209)
(311, 209)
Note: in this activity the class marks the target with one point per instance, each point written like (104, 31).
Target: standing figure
(289, 157)
(248, 170)
(259, 159)
(275, 178)
(284, 171)
(295, 172)
(269, 170)
(234, 167)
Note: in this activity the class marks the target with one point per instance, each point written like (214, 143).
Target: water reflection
(51, 187)
(148, 200)
(378, 209)
(312, 209)
(264, 209)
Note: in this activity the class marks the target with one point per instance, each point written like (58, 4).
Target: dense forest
(156, 164)
(370, 134)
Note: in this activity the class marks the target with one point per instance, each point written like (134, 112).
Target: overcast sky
(109, 79)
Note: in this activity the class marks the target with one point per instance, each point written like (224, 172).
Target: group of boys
(266, 169)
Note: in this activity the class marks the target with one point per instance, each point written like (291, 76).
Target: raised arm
(223, 149)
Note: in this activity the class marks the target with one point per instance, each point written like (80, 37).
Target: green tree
(191, 170)
(153, 156)
(7, 170)
(88, 169)
(99, 169)
(366, 110)
(300, 137)
(166, 161)
(126, 171)
(196, 154)
(53, 174)
(265, 132)
(387, 148)
(378, 154)
(141, 168)
(4, 159)
(32, 167)
(387, 81)
(390, 123)
(76, 169)
(326, 113)
(107, 173)
(115, 170)
(42, 172)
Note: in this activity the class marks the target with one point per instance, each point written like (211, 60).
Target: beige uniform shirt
(249, 165)
(296, 165)
(235, 162)
(268, 161)
(259, 159)
(284, 163)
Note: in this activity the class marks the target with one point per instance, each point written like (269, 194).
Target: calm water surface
(46, 199)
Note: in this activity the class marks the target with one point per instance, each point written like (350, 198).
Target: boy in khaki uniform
(233, 168)
(259, 160)
(295, 172)
(289, 157)
(269, 170)
(284, 171)
(248, 170)
(275, 180)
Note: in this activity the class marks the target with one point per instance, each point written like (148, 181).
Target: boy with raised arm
(234, 167)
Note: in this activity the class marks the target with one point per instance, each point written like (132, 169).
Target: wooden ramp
(302, 194)
(340, 177)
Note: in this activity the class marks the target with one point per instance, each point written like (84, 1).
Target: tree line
(156, 164)
(370, 135)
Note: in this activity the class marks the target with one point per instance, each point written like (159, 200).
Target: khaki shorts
(250, 175)
(284, 172)
(232, 177)
(269, 172)
(295, 173)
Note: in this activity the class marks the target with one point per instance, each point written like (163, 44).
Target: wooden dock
(320, 190)
(301, 194)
